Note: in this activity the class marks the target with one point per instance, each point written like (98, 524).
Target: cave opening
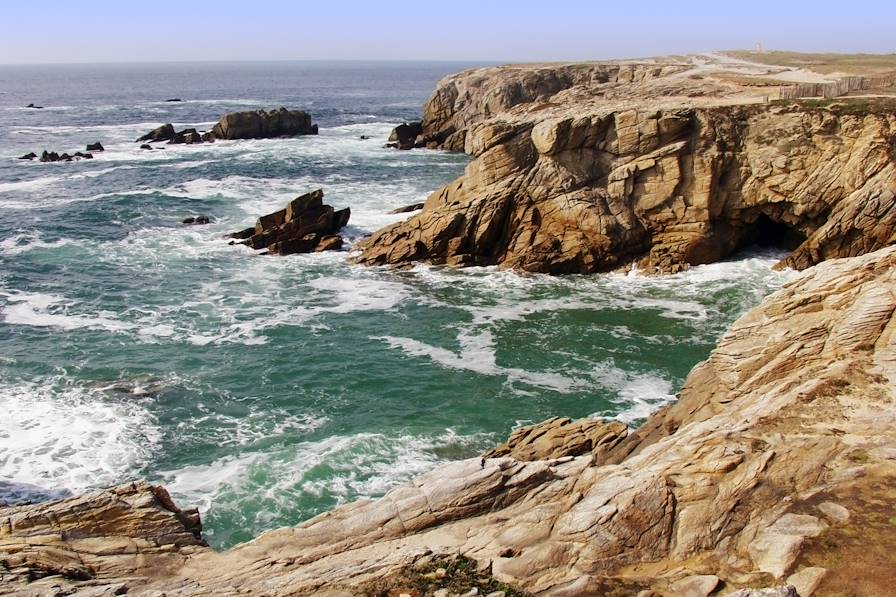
(766, 233)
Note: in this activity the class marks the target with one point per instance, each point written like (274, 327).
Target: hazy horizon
(524, 31)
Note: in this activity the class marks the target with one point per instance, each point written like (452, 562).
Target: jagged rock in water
(186, 137)
(197, 220)
(34, 107)
(305, 225)
(405, 135)
(95, 147)
(165, 132)
(28, 156)
(586, 168)
(261, 124)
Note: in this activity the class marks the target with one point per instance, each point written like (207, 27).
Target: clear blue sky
(159, 30)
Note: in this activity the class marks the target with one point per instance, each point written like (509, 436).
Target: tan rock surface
(588, 167)
(794, 408)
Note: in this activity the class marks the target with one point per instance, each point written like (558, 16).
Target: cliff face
(586, 168)
(781, 445)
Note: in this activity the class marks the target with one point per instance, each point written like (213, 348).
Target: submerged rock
(261, 124)
(174, 99)
(305, 225)
(34, 107)
(28, 156)
(146, 146)
(197, 220)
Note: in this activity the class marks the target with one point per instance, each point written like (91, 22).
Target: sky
(54, 31)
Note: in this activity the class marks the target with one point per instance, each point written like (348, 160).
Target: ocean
(266, 390)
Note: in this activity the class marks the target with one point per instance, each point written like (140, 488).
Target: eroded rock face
(596, 191)
(101, 539)
(261, 124)
(795, 408)
(587, 168)
(305, 225)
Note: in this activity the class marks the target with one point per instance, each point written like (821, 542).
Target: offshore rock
(796, 407)
(165, 132)
(261, 124)
(305, 225)
(589, 167)
(95, 147)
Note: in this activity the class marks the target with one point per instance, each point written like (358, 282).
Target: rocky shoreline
(781, 445)
(774, 472)
(591, 167)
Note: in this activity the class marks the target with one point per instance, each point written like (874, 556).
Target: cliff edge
(589, 167)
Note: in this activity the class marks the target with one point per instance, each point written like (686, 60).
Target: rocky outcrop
(587, 168)
(95, 147)
(258, 124)
(165, 132)
(261, 124)
(99, 541)
(781, 446)
(305, 225)
(52, 156)
(405, 136)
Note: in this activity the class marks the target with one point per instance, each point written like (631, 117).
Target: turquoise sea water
(267, 390)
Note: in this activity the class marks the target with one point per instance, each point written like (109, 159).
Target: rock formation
(258, 124)
(95, 147)
(305, 225)
(776, 467)
(586, 168)
(52, 156)
(405, 136)
(262, 124)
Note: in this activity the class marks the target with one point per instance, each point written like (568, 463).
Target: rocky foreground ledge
(589, 167)
(776, 467)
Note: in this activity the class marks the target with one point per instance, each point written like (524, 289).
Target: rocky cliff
(777, 465)
(586, 168)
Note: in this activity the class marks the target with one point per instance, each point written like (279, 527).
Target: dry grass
(854, 64)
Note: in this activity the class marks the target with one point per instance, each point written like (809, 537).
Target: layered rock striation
(587, 168)
(779, 450)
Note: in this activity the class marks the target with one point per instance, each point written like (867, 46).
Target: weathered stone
(165, 132)
(303, 226)
(561, 437)
(261, 124)
(806, 580)
(695, 586)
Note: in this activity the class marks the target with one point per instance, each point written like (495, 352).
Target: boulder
(146, 146)
(95, 147)
(49, 156)
(261, 124)
(81, 155)
(28, 156)
(406, 134)
(163, 133)
(303, 226)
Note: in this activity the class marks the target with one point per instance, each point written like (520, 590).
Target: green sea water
(267, 390)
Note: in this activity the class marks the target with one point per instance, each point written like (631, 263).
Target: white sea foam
(29, 241)
(45, 310)
(340, 468)
(59, 437)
